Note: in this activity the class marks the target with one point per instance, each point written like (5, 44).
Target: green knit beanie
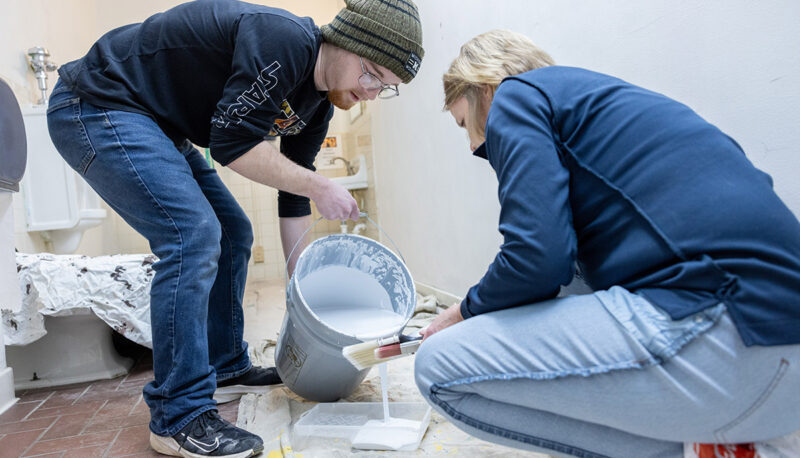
(387, 32)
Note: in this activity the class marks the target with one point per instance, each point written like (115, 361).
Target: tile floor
(107, 418)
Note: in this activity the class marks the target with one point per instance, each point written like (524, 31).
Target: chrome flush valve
(40, 65)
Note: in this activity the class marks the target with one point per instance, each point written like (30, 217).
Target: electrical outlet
(258, 254)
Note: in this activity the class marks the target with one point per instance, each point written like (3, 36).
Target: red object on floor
(108, 418)
(725, 450)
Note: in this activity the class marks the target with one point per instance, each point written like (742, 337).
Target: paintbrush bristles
(362, 355)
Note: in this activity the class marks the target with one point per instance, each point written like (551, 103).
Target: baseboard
(442, 297)
(7, 398)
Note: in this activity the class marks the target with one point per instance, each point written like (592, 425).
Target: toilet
(60, 207)
(77, 348)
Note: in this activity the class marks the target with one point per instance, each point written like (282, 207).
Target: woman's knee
(436, 362)
(423, 373)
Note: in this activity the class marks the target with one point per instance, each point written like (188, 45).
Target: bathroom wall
(735, 62)
(68, 28)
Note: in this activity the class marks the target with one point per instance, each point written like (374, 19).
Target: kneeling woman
(692, 333)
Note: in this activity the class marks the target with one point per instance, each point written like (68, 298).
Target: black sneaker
(208, 435)
(256, 380)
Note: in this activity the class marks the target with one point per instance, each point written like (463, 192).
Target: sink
(357, 181)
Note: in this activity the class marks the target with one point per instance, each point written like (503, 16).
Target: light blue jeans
(171, 196)
(608, 375)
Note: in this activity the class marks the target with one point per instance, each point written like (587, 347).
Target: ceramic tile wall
(260, 204)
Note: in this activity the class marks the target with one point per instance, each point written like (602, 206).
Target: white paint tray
(343, 420)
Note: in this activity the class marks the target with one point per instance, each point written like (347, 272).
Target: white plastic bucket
(332, 270)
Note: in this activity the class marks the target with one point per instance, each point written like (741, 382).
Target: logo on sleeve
(289, 124)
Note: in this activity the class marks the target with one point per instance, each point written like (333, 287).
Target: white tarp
(116, 288)
(272, 414)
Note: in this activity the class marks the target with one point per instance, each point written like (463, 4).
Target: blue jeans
(170, 195)
(608, 375)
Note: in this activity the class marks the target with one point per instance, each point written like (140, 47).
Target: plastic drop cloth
(115, 288)
(271, 414)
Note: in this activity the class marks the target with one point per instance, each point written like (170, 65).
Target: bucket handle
(361, 215)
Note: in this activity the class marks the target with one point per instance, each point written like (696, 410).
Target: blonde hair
(483, 63)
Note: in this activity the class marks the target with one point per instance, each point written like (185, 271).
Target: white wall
(67, 29)
(737, 63)
(116, 13)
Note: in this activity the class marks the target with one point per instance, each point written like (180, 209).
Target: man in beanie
(230, 76)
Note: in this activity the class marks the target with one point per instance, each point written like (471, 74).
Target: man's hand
(449, 317)
(266, 165)
(334, 202)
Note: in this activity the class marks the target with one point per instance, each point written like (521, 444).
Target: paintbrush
(368, 354)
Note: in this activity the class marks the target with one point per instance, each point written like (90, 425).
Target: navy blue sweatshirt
(640, 192)
(223, 74)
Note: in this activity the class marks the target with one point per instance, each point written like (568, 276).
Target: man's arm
(266, 165)
(291, 230)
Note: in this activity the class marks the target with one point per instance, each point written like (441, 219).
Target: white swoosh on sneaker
(208, 448)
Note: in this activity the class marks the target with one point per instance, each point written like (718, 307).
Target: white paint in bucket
(351, 302)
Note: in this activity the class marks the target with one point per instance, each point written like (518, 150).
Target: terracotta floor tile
(68, 425)
(140, 375)
(34, 395)
(136, 385)
(150, 454)
(131, 441)
(18, 411)
(108, 393)
(119, 407)
(70, 444)
(108, 418)
(140, 407)
(28, 425)
(95, 451)
(106, 424)
(111, 383)
(65, 396)
(12, 445)
(87, 407)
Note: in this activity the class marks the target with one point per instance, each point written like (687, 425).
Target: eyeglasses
(371, 82)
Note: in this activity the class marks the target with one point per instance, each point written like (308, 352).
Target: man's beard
(340, 99)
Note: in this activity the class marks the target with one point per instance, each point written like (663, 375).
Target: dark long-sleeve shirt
(223, 74)
(641, 192)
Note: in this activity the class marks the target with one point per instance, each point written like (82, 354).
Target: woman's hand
(449, 317)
